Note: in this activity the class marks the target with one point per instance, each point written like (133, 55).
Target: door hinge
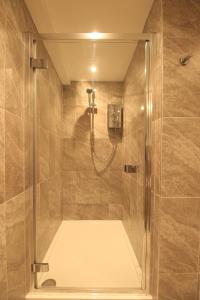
(39, 267)
(38, 63)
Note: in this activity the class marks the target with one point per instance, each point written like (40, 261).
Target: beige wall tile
(179, 234)
(115, 211)
(181, 157)
(178, 286)
(181, 19)
(69, 184)
(108, 154)
(14, 68)
(181, 89)
(88, 188)
(14, 161)
(85, 212)
(69, 159)
(111, 187)
(69, 95)
(15, 245)
(89, 168)
(69, 126)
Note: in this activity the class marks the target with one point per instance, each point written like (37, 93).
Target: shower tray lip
(64, 295)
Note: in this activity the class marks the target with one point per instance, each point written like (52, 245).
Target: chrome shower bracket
(40, 267)
(38, 63)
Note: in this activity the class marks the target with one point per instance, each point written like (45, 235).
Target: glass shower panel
(90, 169)
(48, 104)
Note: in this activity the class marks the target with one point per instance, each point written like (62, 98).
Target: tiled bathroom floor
(92, 254)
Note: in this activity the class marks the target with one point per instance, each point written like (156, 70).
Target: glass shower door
(91, 185)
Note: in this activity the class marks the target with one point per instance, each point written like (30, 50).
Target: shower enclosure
(92, 164)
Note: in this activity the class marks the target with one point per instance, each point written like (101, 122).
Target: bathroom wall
(134, 95)
(15, 151)
(91, 182)
(176, 152)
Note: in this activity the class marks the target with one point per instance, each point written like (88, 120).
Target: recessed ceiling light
(93, 69)
(95, 35)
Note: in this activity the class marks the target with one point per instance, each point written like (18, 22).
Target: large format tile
(68, 152)
(173, 286)
(181, 18)
(111, 187)
(15, 245)
(69, 95)
(107, 155)
(69, 184)
(179, 234)
(69, 129)
(83, 158)
(85, 212)
(181, 157)
(88, 188)
(14, 160)
(181, 89)
(115, 211)
(81, 129)
(14, 69)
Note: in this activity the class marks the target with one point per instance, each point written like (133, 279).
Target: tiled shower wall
(91, 181)
(176, 151)
(15, 155)
(134, 94)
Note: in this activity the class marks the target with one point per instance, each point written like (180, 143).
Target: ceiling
(73, 60)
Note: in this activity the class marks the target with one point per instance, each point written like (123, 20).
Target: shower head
(89, 91)
(91, 97)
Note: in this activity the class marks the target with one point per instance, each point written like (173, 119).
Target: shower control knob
(130, 169)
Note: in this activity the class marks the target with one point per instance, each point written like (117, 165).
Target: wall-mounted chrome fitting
(184, 60)
(39, 267)
(38, 63)
(130, 169)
